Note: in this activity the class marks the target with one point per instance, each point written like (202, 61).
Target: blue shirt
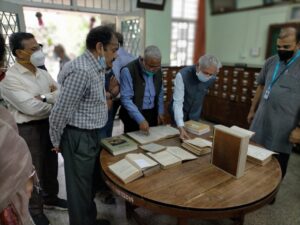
(122, 60)
(127, 93)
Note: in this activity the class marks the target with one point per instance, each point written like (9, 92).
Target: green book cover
(119, 144)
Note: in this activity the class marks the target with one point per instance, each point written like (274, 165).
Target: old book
(242, 130)
(155, 134)
(165, 159)
(119, 144)
(153, 147)
(229, 151)
(259, 155)
(181, 153)
(125, 171)
(143, 163)
(197, 128)
(198, 146)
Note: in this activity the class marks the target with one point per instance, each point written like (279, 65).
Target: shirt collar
(93, 60)
(21, 68)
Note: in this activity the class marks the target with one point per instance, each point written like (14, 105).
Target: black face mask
(285, 55)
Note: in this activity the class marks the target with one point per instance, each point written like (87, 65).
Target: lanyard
(275, 77)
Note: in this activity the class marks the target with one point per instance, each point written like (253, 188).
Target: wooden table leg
(182, 221)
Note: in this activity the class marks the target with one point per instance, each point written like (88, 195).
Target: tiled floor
(285, 211)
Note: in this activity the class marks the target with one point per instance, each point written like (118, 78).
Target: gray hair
(152, 51)
(207, 60)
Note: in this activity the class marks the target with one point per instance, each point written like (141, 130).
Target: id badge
(267, 94)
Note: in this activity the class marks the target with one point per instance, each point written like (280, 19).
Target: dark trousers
(130, 124)
(80, 149)
(283, 160)
(36, 135)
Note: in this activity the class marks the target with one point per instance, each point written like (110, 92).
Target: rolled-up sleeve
(178, 99)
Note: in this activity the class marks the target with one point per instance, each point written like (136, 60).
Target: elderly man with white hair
(190, 87)
(142, 92)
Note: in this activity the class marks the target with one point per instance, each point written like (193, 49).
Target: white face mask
(37, 58)
(202, 77)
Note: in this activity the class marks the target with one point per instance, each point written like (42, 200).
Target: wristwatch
(43, 97)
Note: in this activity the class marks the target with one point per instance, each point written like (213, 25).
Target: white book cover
(243, 131)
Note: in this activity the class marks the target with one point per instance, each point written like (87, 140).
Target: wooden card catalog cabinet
(229, 100)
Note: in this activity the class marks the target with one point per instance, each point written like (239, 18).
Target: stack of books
(198, 146)
(195, 127)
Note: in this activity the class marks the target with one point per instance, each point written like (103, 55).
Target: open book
(229, 151)
(155, 134)
(198, 146)
(134, 166)
(195, 127)
(181, 153)
(153, 147)
(172, 156)
(119, 144)
(259, 155)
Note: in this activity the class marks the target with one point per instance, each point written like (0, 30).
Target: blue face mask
(202, 77)
(149, 74)
(102, 62)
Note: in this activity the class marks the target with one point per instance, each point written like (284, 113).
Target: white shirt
(178, 98)
(19, 88)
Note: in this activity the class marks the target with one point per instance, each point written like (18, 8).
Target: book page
(164, 158)
(124, 170)
(180, 153)
(155, 134)
(152, 147)
(140, 160)
(199, 142)
(259, 153)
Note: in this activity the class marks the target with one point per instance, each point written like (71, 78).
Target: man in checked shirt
(76, 119)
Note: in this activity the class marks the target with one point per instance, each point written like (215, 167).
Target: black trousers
(130, 124)
(36, 135)
(80, 149)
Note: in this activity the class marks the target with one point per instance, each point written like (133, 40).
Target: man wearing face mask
(190, 87)
(275, 109)
(76, 119)
(30, 94)
(142, 92)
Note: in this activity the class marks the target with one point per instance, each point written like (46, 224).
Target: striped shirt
(82, 101)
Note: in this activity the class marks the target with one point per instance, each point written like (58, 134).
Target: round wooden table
(197, 189)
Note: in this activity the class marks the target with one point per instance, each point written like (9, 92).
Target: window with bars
(8, 25)
(113, 6)
(184, 16)
(131, 30)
